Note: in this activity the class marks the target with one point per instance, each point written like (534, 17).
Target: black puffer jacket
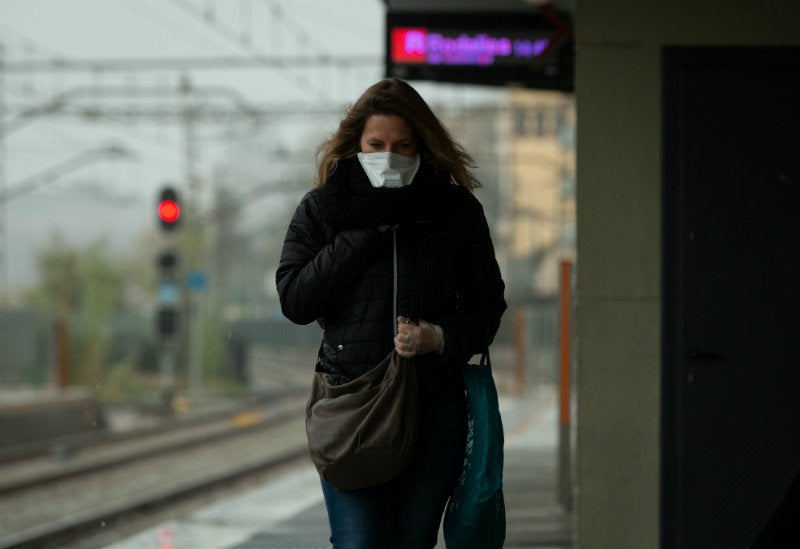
(336, 268)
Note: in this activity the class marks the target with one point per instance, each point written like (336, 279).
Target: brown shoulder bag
(362, 432)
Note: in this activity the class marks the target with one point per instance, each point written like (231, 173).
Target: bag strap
(394, 281)
(420, 273)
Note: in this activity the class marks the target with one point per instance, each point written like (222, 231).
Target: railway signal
(169, 209)
(169, 300)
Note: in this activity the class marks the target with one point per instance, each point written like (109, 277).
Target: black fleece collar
(348, 199)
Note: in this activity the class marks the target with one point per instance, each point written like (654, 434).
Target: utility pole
(4, 298)
(196, 247)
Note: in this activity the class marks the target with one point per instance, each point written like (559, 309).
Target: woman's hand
(414, 339)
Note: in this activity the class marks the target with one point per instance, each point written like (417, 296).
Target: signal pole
(195, 247)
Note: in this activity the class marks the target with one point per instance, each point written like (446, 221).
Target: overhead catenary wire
(28, 43)
(190, 36)
(303, 83)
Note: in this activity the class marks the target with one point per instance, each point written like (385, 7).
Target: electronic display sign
(533, 48)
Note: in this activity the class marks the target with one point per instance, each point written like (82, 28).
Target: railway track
(53, 503)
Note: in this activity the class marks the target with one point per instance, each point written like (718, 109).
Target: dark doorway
(731, 292)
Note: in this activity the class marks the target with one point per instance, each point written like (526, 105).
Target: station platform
(289, 512)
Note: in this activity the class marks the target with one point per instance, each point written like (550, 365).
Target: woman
(389, 176)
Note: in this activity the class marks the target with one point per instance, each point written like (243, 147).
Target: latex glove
(417, 338)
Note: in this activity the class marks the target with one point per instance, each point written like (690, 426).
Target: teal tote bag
(475, 517)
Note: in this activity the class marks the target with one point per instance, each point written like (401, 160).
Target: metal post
(520, 359)
(62, 348)
(195, 246)
(565, 420)
(166, 372)
(4, 293)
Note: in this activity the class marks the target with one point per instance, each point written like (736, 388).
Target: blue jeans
(405, 513)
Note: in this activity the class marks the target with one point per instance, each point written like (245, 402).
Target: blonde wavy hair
(394, 96)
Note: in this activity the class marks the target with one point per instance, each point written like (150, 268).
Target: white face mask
(386, 169)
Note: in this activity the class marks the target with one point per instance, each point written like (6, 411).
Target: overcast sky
(87, 194)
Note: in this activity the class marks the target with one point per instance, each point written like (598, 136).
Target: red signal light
(169, 211)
